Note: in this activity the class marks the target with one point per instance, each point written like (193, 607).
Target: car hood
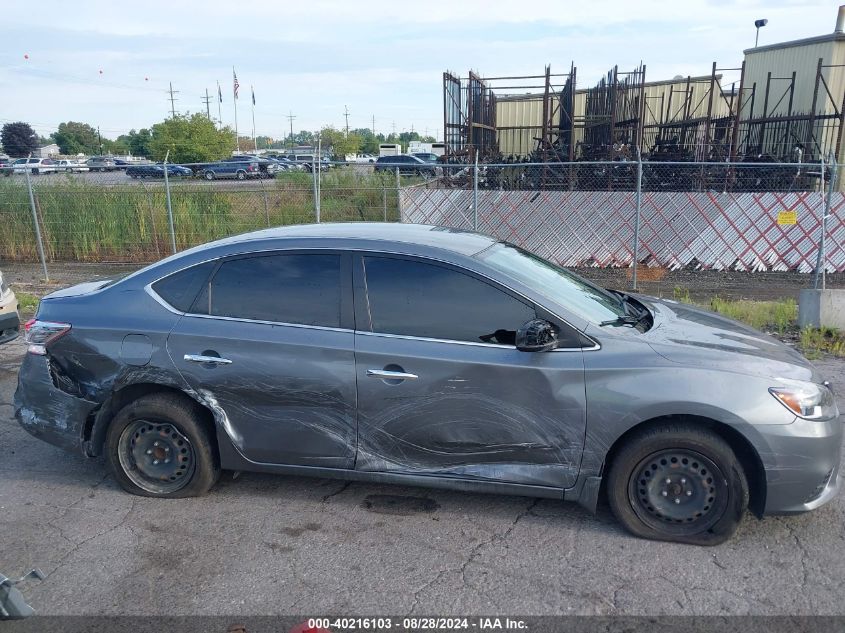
(685, 334)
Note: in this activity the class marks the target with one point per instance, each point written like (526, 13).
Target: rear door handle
(390, 375)
(199, 358)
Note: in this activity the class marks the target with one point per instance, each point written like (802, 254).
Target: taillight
(38, 333)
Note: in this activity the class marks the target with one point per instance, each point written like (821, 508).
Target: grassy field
(779, 317)
(84, 221)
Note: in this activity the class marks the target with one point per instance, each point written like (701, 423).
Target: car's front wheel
(678, 482)
(158, 446)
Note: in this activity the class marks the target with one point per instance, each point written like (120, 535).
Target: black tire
(208, 175)
(678, 482)
(240, 175)
(176, 427)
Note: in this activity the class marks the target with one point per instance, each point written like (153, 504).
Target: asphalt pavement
(275, 545)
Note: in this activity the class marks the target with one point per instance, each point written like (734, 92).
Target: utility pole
(100, 139)
(290, 118)
(173, 100)
(207, 101)
(346, 114)
(374, 125)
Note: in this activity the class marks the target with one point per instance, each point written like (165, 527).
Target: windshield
(575, 293)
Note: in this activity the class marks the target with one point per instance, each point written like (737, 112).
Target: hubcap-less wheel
(678, 491)
(156, 456)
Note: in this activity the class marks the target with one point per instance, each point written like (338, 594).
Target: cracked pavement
(274, 545)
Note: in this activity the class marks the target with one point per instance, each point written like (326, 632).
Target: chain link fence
(721, 216)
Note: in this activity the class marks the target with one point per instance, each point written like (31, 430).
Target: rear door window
(426, 300)
(285, 288)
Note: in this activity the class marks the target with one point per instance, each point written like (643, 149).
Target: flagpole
(254, 141)
(219, 107)
(235, 99)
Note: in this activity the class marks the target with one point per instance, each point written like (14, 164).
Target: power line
(173, 100)
(290, 117)
(207, 100)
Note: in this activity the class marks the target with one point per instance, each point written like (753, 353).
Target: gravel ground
(274, 545)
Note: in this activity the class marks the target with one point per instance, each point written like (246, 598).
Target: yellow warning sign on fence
(789, 216)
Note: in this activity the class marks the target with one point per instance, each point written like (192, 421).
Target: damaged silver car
(428, 356)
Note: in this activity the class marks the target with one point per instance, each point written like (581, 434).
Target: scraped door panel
(441, 388)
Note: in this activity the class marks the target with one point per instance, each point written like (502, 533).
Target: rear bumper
(10, 326)
(802, 461)
(47, 412)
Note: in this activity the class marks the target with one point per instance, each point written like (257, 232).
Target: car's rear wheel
(158, 446)
(241, 175)
(678, 482)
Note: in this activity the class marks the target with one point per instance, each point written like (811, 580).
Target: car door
(442, 389)
(268, 341)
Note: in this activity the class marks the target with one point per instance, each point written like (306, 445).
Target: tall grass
(87, 221)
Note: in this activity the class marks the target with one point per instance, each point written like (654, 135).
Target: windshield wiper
(625, 319)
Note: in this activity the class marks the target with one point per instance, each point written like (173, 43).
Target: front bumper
(10, 326)
(47, 412)
(802, 461)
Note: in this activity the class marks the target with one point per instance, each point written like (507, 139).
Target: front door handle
(390, 375)
(199, 358)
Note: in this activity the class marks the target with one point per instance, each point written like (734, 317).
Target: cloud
(380, 58)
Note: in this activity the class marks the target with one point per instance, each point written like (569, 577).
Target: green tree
(18, 139)
(76, 138)
(137, 143)
(190, 139)
(339, 143)
(303, 137)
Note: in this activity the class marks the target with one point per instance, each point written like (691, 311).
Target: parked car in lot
(267, 168)
(71, 166)
(427, 157)
(240, 169)
(9, 320)
(35, 166)
(102, 163)
(156, 170)
(434, 357)
(407, 165)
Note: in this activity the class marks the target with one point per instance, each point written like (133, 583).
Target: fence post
(35, 221)
(169, 205)
(266, 205)
(639, 202)
(475, 194)
(384, 199)
(821, 262)
(398, 187)
(316, 194)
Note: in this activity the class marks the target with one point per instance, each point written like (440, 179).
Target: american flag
(236, 84)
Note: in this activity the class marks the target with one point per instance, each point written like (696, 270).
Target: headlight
(806, 400)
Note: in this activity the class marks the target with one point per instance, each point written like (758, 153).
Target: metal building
(792, 98)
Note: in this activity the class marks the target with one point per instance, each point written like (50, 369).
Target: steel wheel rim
(156, 456)
(678, 491)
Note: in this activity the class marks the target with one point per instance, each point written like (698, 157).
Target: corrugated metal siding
(781, 62)
(527, 112)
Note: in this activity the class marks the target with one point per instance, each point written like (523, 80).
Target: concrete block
(821, 308)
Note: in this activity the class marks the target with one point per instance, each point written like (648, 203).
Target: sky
(110, 63)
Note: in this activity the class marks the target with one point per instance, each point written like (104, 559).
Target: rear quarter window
(181, 288)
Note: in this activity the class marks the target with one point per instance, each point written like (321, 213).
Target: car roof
(450, 239)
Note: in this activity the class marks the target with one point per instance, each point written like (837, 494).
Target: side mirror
(537, 335)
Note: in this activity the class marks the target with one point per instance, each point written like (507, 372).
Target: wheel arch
(97, 424)
(744, 450)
